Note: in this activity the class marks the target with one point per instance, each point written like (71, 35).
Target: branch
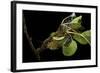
(44, 45)
(30, 41)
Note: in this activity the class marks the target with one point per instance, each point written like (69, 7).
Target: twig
(30, 41)
(44, 45)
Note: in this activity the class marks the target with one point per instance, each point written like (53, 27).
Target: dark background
(40, 24)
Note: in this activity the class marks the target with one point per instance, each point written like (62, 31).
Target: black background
(40, 24)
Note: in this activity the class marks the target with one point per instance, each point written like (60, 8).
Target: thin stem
(44, 45)
(30, 41)
(63, 20)
(72, 15)
(79, 35)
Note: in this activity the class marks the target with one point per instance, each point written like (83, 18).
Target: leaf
(68, 39)
(56, 42)
(83, 38)
(87, 35)
(76, 22)
(70, 49)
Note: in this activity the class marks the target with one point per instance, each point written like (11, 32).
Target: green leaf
(70, 49)
(83, 38)
(76, 22)
(68, 40)
(56, 42)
